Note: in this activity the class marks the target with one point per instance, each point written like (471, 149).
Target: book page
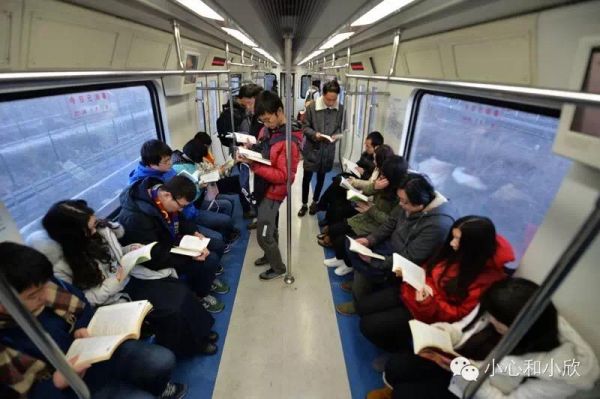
(361, 249)
(194, 243)
(356, 196)
(192, 176)
(426, 336)
(94, 349)
(345, 184)
(120, 318)
(244, 138)
(411, 273)
(326, 136)
(137, 256)
(253, 155)
(210, 177)
(351, 167)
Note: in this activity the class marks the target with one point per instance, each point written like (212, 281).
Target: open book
(427, 336)
(109, 328)
(191, 246)
(253, 155)
(356, 196)
(351, 167)
(210, 177)
(195, 177)
(345, 184)
(243, 138)
(361, 249)
(331, 139)
(411, 273)
(137, 256)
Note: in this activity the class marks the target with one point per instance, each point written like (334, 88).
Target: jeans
(266, 230)
(217, 222)
(306, 178)
(365, 282)
(223, 204)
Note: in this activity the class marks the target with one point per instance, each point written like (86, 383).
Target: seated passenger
(565, 362)
(415, 230)
(471, 260)
(91, 262)
(136, 369)
(371, 215)
(156, 162)
(333, 201)
(152, 211)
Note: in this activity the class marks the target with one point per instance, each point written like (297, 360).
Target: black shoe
(270, 275)
(321, 236)
(314, 208)
(213, 337)
(174, 390)
(261, 261)
(252, 225)
(234, 236)
(209, 349)
(302, 210)
(220, 270)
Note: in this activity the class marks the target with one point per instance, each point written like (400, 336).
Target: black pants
(334, 202)
(199, 275)
(414, 377)
(384, 319)
(231, 185)
(306, 178)
(178, 319)
(337, 235)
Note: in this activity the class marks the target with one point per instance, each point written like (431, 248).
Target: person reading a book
(156, 162)
(415, 229)
(136, 369)
(549, 342)
(333, 201)
(91, 258)
(370, 215)
(472, 259)
(270, 183)
(322, 127)
(152, 211)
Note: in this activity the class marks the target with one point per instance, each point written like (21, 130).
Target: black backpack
(264, 147)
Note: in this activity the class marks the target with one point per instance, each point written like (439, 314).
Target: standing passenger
(323, 117)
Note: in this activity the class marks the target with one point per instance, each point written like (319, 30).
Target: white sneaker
(333, 262)
(343, 270)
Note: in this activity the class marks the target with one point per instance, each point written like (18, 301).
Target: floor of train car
(283, 341)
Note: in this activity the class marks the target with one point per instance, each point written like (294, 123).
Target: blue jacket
(141, 172)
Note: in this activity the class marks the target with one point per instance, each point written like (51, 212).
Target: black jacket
(239, 115)
(367, 162)
(144, 223)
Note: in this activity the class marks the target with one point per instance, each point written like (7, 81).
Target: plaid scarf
(20, 371)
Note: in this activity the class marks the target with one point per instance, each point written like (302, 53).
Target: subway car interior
(299, 199)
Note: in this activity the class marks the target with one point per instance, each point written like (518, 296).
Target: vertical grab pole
(35, 332)
(231, 149)
(542, 297)
(289, 278)
(345, 110)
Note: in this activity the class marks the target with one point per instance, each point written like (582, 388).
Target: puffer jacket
(276, 173)
(441, 307)
(141, 172)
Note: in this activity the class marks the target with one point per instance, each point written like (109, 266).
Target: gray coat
(319, 155)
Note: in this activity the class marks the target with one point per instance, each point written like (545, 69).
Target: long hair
(67, 223)
(477, 246)
(505, 299)
(394, 169)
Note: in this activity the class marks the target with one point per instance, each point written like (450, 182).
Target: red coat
(276, 173)
(439, 308)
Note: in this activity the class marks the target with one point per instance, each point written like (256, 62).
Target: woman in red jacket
(471, 260)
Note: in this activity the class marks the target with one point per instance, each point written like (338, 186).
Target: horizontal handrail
(23, 77)
(565, 96)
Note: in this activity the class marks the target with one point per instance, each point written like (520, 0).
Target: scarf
(20, 371)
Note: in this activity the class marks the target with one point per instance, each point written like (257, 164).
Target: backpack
(224, 123)
(261, 185)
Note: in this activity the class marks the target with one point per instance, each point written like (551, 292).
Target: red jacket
(439, 308)
(276, 173)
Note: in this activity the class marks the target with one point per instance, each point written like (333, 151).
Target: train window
(305, 81)
(71, 145)
(489, 158)
(270, 82)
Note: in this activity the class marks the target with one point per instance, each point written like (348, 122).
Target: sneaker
(174, 390)
(342, 270)
(220, 270)
(261, 261)
(325, 242)
(212, 305)
(219, 287)
(314, 208)
(302, 210)
(333, 262)
(347, 286)
(346, 308)
(270, 275)
(381, 393)
(227, 248)
(252, 225)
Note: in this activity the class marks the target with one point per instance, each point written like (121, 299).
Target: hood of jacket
(141, 172)
(136, 198)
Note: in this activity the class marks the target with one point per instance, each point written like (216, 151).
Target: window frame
(418, 95)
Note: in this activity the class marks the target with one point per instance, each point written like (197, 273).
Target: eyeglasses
(179, 204)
